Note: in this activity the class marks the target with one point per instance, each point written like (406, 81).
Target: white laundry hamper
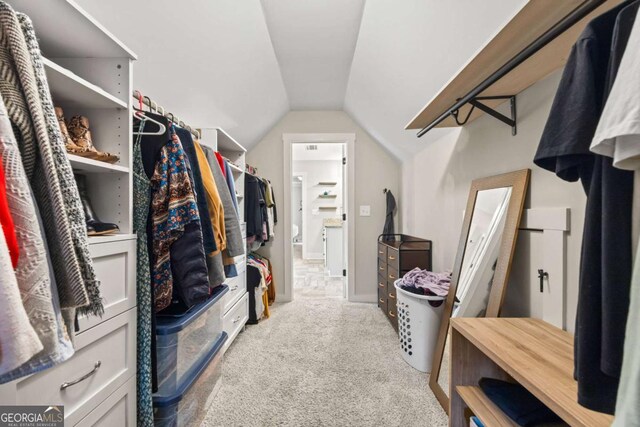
(418, 326)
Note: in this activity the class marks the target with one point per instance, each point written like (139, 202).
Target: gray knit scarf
(68, 186)
(21, 92)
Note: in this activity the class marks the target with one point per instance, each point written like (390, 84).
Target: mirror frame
(519, 182)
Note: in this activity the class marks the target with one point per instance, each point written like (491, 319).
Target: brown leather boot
(81, 135)
(71, 147)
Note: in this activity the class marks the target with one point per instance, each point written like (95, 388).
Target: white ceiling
(242, 65)
(314, 41)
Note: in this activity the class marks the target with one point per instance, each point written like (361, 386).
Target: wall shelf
(327, 196)
(70, 89)
(328, 208)
(533, 44)
(483, 407)
(82, 164)
(527, 351)
(327, 183)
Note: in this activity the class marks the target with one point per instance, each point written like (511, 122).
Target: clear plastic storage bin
(182, 341)
(187, 405)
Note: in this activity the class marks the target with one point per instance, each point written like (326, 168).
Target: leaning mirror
(483, 262)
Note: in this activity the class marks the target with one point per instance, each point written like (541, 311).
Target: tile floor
(310, 279)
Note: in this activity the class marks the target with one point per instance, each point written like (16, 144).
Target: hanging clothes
(32, 274)
(141, 201)
(174, 208)
(605, 271)
(618, 137)
(6, 223)
(391, 208)
(18, 339)
(253, 209)
(231, 185)
(206, 226)
(271, 222)
(49, 173)
(217, 214)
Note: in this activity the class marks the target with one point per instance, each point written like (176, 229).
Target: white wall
(436, 184)
(375, 169)
(317, 171)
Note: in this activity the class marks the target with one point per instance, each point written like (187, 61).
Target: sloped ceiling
(242, 65)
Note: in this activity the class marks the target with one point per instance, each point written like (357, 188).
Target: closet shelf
(483, 408)
(93, 240)
(235, 169)
(65, 30)
(82, 164)
(70, 89)
(533, 44)
(226, 143)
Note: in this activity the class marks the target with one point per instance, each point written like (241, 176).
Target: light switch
(365, 210)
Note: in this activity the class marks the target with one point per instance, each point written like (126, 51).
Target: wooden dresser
(531, 352)
(397, 255)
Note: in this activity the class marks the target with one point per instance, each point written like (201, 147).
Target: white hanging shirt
(618, 132)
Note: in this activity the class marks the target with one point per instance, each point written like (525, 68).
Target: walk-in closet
(320, 213)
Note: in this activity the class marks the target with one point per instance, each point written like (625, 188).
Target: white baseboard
(365, 298)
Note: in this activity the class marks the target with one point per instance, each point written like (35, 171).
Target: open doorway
(318, 209)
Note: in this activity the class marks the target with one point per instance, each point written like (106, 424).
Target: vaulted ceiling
(243, 64)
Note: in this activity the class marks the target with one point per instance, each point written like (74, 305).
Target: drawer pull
(392, 277)
(380, 252)
(392, 296)
(381, 268)
(391, 314)
(381, 285)
(82, 378)
(391, 257)
(233, 288)
(381, 301)
(236, 320)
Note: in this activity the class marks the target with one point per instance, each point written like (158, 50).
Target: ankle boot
(95, 227)
(71, 147)
(81, 135)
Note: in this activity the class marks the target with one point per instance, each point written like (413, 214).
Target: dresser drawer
(235, 319)
(115, 265)
(392, 313)
(392, 274)
(237, 287)
(382, 251)
(382, 282)
(382, 299)
(105, 357)
(393, 258)
(382, 267)
(391, 291)
(119, 409)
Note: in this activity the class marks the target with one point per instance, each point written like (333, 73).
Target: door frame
(349, 139)
(303, 200)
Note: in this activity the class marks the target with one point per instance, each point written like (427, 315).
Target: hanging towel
(18, 86)
(71, 196)
(33, 274)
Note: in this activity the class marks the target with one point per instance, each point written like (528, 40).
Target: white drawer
(115, 264)
(111, 344)
(118, 410)
(235, 319)
(237, 287)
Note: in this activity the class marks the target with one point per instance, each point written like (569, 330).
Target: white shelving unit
(236, 301)
(90, 74)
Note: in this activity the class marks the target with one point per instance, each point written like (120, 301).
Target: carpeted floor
(321, 361)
